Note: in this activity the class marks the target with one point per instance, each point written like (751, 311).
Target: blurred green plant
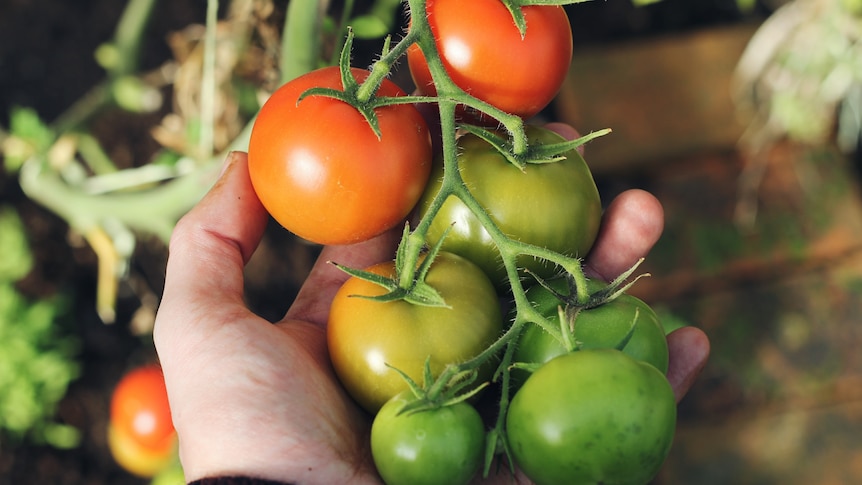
(799, 79)
(802, 66)
(37, 361)
(218, 76)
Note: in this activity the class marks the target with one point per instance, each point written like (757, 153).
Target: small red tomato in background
(141, 434)
(320, 170)
(484, 54)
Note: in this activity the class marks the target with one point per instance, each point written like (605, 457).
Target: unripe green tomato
(604, 326)
(442, 446)
(592, 416)
(553, 205)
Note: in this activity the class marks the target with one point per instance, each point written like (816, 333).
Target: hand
(251, 398)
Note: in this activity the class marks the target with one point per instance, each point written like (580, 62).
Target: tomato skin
(139, 408)
(137, 459)
(593, 416)
(365, 335)
(600, 327)
(322, 173)
(554, 205)
(480, 45)
(442, 446)
(141, 433)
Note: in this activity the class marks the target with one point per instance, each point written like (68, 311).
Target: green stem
(128, 36)
(301, 39)
(346, 13)
(205, 142)
(383, 66)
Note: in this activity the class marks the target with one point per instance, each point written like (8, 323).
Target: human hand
(252, 398)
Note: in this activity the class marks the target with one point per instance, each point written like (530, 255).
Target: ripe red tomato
(322, 173)
(141, 433)
(484, 54)
(139, 407)
(364, 336)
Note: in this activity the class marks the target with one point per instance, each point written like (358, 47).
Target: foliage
(37, 363)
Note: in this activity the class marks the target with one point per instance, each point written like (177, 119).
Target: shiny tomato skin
(320, 170)
(600, 327)
(140, 410)
(484, 54)
(592, 416)
(554, 205)
(365, 335)
(441, 446)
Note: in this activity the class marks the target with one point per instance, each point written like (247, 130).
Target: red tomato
(139, 408)
(322, 173)
(484, 54)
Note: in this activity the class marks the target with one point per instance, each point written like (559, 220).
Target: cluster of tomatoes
(141, 435)
(580, 382)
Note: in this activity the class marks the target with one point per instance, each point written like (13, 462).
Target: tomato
(365, 335)
(484, 54)
(593, 416)
(604, 326)
(139, 408)
(442, 446)
(136, 458)
(554, 205)
(141, 433)
(322, 173)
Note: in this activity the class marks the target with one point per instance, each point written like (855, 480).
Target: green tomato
(366, 337)
(553, 205)
(604, 326)
(442, 446)
(593, 416)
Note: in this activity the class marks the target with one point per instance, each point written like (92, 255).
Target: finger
(631, 225)
(313, 300)
(689, 350)
(209, 248)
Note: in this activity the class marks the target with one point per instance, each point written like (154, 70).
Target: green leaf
(29, 135)
(369, 27)
(16, 260)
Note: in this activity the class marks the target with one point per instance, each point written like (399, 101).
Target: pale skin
(253, 398)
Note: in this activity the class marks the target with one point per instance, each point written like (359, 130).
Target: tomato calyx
(408, 284)
(535, 152)
(450, 388)
(575, 300)
(514, 7)
(361, 95)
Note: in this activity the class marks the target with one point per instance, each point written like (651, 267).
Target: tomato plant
(367, 336)
(321, 171)
(604, 326)
(592, 416)
(552, 205)
(141, 433)
(484, 53)
(438, 446)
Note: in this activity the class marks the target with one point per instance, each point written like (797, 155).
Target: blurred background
(743, 117)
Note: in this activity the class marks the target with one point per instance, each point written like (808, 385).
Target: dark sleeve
(236, 481)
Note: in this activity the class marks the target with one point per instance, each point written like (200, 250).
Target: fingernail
(228, 161)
